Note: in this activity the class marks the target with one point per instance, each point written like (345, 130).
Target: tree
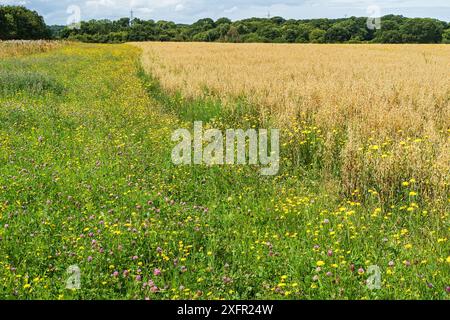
(19, 23)
(395, 29)
(422, 31)
(207, 36)
(290, 34)
(278, 20)
(269, 32)
(317, 35)
(303, 30)
(391, 36)
(123, 23)
(223, 29)
(203, 25)
(337, 33)
(241, 28)
(446, 36)
(233, 35)
(253, 38)
(7, 27)
(222, 21)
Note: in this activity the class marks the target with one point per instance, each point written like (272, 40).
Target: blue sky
(187, 11)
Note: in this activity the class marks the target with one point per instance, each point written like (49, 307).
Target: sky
(64, 12)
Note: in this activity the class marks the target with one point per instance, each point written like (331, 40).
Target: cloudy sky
(187, 11)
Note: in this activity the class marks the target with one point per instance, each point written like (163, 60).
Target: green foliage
(269, 32)
(396, 29)
(337, 33)
(17, 22)
(446, 36)
(303, 32)
(20, 23)
(422, 31)
(317, 35)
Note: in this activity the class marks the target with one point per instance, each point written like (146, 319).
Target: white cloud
(100, 3)
(231, 10)
(12, 2)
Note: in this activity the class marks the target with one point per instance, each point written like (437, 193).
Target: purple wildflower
(156, 272)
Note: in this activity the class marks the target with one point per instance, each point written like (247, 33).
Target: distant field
(92, 206)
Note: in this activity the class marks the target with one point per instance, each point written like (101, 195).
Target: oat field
(389, 104)
(92, 206)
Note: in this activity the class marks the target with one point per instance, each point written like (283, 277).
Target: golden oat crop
(389, 105)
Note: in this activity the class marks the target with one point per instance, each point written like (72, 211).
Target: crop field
(381, 113)
(92, 206)
(22, 47)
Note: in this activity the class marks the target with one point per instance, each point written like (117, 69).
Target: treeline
(395, 29)
(20, 23)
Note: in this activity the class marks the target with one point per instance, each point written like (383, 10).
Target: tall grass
(12, 82)
(24, 47)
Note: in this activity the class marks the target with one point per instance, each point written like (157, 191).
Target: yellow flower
(320, 263)
(408, 246)
(448, 259)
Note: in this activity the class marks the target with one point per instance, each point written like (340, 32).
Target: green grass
(86, 179)
(30, 82)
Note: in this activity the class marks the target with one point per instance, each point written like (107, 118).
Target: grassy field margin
(86, 179)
